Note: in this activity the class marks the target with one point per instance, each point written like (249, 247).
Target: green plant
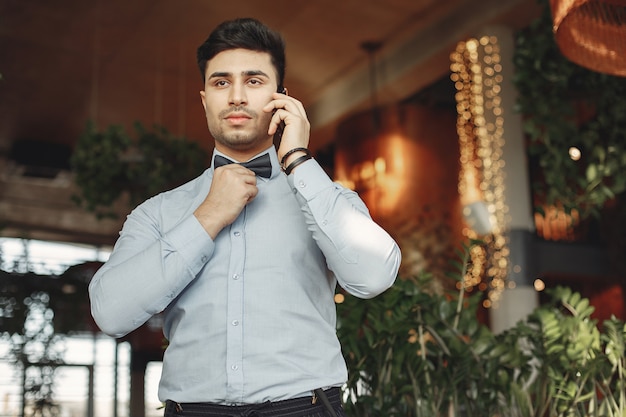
(413, 352)
(562, 364)
(109, 164)
(563, 106)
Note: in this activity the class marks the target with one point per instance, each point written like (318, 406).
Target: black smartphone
(279, 131)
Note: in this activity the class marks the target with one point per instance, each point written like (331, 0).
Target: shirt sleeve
(364, 257)
(147, 270)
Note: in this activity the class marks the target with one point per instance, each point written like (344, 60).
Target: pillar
(519, 300)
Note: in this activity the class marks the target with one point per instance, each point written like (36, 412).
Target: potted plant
(109, 164)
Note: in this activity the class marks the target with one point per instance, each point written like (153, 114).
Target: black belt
(321, 402)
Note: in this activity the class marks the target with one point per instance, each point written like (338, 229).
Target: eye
(220, 83)
(255, 81)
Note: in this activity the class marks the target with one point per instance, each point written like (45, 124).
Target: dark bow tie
(261, 165)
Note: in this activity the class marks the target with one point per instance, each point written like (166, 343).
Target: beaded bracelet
(284, 158)
(297, 162)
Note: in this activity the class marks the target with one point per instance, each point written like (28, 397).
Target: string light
(476, 72)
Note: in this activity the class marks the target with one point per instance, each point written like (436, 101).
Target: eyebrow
(250, 73)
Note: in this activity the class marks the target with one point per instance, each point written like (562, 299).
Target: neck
(240, 155)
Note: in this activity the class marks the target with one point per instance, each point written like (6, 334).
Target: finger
(285, 115)
(299, 107)
(277, 118)
(282, 101)
(252, 194)
(250, 178)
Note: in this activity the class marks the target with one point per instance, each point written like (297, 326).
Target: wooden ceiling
(65, 62)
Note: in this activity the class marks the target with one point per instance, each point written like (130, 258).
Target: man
(244, 266)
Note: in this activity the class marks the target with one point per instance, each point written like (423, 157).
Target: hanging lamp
(592, 33)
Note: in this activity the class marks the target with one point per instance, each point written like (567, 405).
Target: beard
(236, 140)
(239, 138)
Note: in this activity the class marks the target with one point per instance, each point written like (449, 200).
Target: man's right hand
(232, 188)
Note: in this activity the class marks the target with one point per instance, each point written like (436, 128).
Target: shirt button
(235, 322)
(295, 191)
(203, 259)
(302, 184)
(237, 234)
(234, 367)
(235, 277)
(325, 222)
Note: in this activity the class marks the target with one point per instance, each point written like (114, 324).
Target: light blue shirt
(249, 316)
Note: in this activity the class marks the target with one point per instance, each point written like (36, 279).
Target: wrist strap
(297, 162)
(284, 158)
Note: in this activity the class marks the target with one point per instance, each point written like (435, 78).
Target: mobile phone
(281, 127)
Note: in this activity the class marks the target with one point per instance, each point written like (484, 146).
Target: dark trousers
(298, 407)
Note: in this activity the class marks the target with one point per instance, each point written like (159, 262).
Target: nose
(237, 94)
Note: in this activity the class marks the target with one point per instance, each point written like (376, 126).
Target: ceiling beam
(410, 66)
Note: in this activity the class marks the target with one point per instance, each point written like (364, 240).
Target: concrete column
(516, 303)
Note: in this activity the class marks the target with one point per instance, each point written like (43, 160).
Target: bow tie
(261, 165)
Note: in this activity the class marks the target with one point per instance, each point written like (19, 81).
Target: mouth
(237, 118)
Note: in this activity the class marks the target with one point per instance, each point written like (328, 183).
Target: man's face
(239, 83)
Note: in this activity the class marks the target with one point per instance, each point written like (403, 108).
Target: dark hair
(244, 33)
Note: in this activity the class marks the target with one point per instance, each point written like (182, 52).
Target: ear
(203, 98)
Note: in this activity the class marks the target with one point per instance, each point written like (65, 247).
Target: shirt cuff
(192, 242)
(309, 179)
